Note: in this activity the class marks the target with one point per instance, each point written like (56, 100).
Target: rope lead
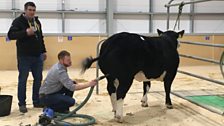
(178, 16)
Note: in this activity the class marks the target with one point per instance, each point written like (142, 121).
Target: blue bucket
(6, 103)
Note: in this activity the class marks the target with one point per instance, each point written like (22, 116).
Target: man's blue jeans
(25, 65)
(59, 101)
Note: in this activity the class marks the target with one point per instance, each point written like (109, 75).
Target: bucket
(5, 103)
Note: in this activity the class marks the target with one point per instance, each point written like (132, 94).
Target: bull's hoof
(119, 119)
(169, 106)
(114, 113)
(145, 105)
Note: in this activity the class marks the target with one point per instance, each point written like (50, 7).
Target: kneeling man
(57, 89)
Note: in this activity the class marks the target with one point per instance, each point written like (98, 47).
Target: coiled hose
(91, 120)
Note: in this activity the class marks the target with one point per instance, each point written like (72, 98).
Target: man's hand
(29, 31)
(93, 83)
(44, 56)
(80, 86)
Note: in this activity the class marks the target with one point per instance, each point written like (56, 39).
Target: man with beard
(57, 89)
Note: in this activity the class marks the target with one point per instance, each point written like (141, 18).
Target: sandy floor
(183, 114)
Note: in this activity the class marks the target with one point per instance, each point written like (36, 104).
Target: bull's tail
(86, 63)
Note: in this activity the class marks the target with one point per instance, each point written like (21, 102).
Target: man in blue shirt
(57, 90)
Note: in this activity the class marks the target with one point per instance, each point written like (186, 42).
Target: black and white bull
(127, 56)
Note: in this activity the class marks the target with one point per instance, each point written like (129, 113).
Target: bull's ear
(181, 33)
(159, 32)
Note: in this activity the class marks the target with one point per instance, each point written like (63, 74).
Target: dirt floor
(184, 113)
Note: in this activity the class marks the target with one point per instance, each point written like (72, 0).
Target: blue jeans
(59, 101)
(25, 65)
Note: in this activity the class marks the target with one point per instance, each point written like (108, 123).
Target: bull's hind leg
(146, 87)
(111, 88)
(122, 89)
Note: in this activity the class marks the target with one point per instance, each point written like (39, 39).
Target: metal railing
(169, 4)
(199, 58)
(97, 66)
(221, 62)
(202, 44)
(190, 2)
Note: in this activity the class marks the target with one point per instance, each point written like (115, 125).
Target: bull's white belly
(140, 76)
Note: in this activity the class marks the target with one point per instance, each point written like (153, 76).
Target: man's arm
(69, 84)
(66, 81)
(42, 42)
(42, 37)
(15, 32)
(80, 86)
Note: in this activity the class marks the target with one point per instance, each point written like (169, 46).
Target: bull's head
(172, 35)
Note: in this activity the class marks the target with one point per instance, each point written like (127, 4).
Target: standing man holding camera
(31, 53)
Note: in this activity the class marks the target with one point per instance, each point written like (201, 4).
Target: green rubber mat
(213, 101)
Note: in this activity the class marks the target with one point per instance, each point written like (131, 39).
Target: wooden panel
(218, 51)
(195, 50)
(8, 54)
(81, 47)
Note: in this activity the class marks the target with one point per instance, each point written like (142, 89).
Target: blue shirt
(56, 79)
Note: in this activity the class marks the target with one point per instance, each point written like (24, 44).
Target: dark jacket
(26, 45)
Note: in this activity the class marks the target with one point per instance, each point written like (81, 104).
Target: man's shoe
(23, 109)
(38, 106)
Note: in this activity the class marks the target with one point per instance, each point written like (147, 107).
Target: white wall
(85, 26)
(5, 4)
(41, 4)
(159, 6)
(85, 23)
(51, 25)
(209, 24)
(5, 22)
(137, 26)
(137, 23)
(161, 24)
(208, 7)
(131, 5)
(85, 5)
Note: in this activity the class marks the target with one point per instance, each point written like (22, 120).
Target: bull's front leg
(167, 85)
(146, 87)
